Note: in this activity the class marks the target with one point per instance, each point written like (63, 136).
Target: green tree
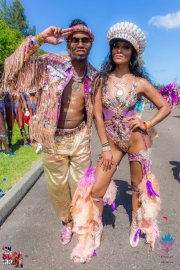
(141, 61)
(41, 51)
(9, 41)
(32, 30)
(4, 10)
(15, 16)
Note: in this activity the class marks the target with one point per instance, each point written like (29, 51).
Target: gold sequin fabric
(64, 168)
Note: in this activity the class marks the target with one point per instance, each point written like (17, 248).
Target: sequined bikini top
(117, 115)
(118, 105)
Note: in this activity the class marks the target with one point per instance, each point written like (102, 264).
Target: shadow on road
(176, 169)
(122, 198)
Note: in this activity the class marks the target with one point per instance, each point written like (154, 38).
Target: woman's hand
(107, 160)
(135, 122)
(52, 34)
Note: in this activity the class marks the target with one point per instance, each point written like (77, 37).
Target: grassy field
(13, 168)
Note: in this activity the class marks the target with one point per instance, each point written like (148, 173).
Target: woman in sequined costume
(118, 90)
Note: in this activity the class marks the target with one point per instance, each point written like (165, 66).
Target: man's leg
(56, 169)
(80, 160)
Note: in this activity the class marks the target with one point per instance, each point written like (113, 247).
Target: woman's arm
(147, 90)
(107, 158)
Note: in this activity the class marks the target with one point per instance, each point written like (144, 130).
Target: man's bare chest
(73, 96)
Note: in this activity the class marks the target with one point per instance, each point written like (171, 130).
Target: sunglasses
(84, 40)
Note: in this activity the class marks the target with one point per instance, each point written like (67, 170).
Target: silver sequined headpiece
(130, 32)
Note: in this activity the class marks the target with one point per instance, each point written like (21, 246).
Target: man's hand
(52, 34)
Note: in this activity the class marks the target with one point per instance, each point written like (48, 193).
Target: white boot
(39, 148)
(135, 231)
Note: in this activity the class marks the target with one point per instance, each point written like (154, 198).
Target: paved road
(34, 229)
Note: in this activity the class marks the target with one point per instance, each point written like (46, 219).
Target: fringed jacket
(48, 75)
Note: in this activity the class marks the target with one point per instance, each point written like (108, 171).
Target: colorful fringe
(47, 75)
(86, 218)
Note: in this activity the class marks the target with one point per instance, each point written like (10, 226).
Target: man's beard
(79, 59)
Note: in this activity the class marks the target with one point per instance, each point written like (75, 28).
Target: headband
(82, 28)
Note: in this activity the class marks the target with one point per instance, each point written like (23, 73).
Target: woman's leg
(3, 133)
(136, 145)
(10, 124)
(87, 207)
(103, 178)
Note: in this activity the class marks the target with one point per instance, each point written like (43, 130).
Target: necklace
(120, 86)
(76, 86)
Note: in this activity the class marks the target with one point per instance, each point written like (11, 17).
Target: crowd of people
(62, 94)
(19, 106)
(171, 93)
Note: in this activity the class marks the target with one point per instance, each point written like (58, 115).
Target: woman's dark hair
(109, 65)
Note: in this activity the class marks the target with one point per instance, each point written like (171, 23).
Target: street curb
(17, 192)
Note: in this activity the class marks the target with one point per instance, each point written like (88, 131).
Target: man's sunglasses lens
(83, 40)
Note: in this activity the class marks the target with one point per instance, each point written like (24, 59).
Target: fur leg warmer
(150, 206)
(87, 223)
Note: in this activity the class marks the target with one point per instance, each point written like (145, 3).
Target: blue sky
(159, 19)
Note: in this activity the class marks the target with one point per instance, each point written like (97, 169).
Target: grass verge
(13, 168)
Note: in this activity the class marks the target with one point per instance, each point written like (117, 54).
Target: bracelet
(105, 144)
(106, 148)
(40, 39)
(148, 124)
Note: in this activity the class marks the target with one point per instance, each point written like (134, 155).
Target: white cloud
(169, 21)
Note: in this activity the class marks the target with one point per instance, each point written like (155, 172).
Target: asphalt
(18, 191)
(29, 224)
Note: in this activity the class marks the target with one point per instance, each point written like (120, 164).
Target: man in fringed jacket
(63, 119)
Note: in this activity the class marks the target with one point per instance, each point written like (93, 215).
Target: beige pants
(65, 168)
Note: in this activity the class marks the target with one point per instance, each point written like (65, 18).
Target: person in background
(15, 108)
(7, 150)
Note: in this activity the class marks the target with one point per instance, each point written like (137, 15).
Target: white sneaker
(39, 148)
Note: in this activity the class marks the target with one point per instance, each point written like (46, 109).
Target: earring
(130, 63)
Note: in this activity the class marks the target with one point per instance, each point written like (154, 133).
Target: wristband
(106, 148)
(105, 144)
(148, 124)
(40, 39)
